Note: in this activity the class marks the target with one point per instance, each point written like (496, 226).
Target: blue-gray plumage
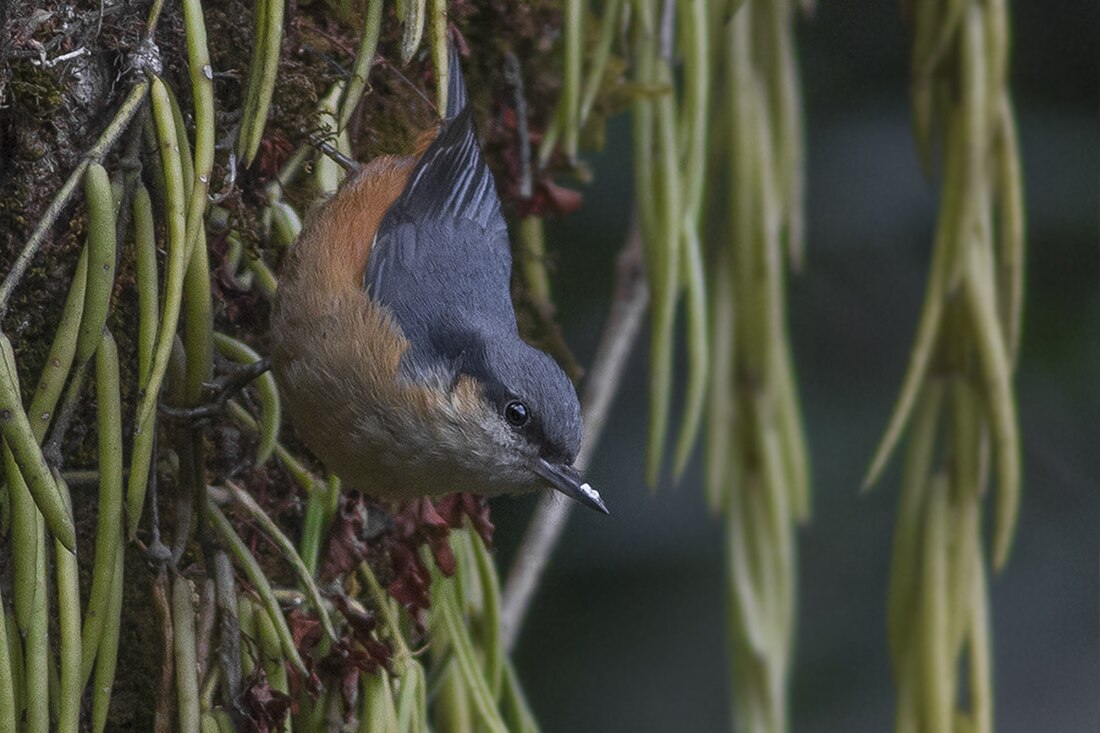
(439, 265)
(442, 263)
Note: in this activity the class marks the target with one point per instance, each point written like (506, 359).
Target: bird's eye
(516, 413)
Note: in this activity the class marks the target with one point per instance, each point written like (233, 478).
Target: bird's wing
(441, 259)
(457, 97)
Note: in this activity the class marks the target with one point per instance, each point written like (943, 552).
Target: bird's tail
(457, 97)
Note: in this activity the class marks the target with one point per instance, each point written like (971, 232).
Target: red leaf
(273, 152)
(305, 630)
(422, 522)
(347, 545)
(454, 507)
(551, 198)
(411, 580)
(265, 708)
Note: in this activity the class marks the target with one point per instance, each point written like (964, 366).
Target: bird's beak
(568, 481)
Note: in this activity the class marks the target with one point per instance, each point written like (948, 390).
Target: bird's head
(528, 419)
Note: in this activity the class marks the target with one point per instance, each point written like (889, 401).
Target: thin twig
(385, 63)
(229, 631)
(162, 715)
(157, 550)
(204, 637)
(221, 391)
(348, 164)
(52, 449)
(513, 75)
(620, 332)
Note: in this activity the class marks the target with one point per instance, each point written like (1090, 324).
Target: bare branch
(620, 331)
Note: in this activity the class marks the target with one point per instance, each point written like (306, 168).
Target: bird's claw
(218, 391)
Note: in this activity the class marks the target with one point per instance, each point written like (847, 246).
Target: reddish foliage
(547, 197)
(347, 662)
(550, 198)
(415, 524)
(347, 545)
(454, 507)
(358, 651)
(264, 708)
(419, 523)
(361, 624)
(304, 630)
(275, 149)
(411, 581)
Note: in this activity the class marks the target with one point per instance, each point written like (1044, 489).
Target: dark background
(627, 632)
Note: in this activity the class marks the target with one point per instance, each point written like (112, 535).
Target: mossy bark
(64, 69)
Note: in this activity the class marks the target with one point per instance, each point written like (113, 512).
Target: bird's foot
(218, 392)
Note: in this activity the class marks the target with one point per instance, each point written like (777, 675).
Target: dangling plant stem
(756, 462)
(9, 707)
(957, 399)
(267, 40)
(109, 522)
(364, 59)
(29, 583)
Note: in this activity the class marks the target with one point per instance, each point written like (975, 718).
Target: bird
(394, 337)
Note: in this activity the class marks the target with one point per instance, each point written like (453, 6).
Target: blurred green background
(627, 632)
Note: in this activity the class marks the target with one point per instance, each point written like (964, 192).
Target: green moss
(35, 91)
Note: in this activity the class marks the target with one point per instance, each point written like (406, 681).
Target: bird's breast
(380, 432)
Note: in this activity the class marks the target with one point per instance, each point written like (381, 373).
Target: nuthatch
(395, 338)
